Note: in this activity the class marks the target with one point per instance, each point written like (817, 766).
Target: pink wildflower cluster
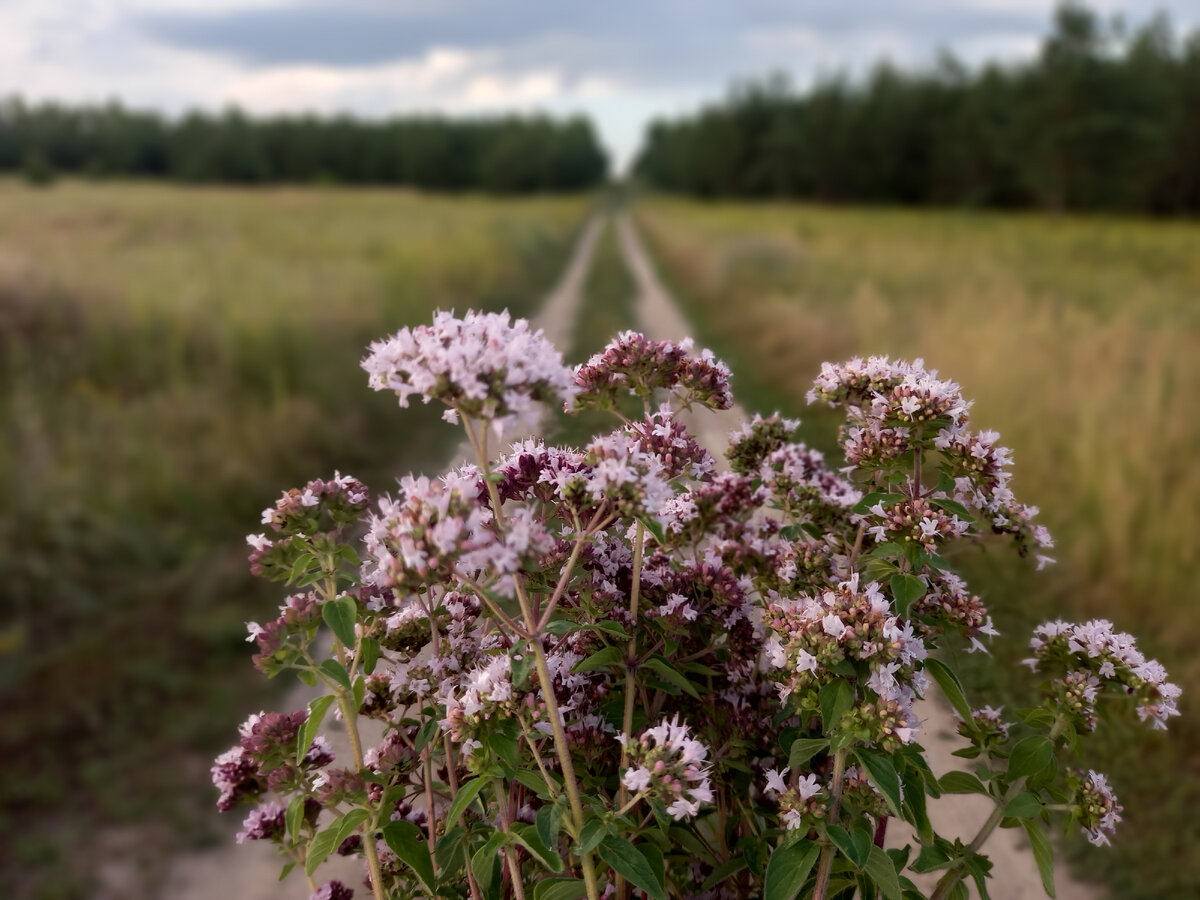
(633, 363)
(898, 408)
(343, 497)
(481, 365)
(439, 530)
(811, 639)
(1095, 805)
(298, 618)
(800, 804)
(666, 763)
(332, 890)
(1095, 657)
(264, 760)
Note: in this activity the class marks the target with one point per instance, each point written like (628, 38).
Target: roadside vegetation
(172, 359)
(1080, 339)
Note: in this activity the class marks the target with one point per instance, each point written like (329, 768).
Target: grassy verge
(172, 359)
(1079, 339)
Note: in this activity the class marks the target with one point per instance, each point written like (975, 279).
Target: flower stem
(825, 866)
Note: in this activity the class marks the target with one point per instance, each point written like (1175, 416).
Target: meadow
(1080, 340)
(172, 359)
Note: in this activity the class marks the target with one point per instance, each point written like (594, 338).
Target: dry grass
(1079, 339)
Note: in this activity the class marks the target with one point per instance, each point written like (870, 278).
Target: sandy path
(251, 871)
(953, 816)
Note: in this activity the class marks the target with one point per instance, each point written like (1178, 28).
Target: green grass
(172, 359)
(1079, 338)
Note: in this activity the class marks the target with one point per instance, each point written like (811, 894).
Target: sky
(621, 62)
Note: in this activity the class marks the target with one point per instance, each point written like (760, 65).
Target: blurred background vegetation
(172, 360)
(1101, 119)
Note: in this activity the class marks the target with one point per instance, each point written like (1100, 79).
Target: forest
(504, 154)
(1104, 117)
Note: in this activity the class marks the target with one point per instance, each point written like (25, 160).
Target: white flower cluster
(481, 365)
(810, 638)
(1095, 650)
(439, 528)
(668, 763)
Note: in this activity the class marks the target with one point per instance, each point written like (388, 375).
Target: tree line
(509, 154)
(1103, 118)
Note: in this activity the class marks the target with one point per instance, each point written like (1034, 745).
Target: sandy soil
(953, 816)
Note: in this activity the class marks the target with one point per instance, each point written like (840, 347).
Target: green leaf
(307, 677)
(505, 748)
(559, 627)
(336, 672)
(627, 862)
(835, 698)
(1043, 852)
(673, 675)
(653, 856)
(608, 656)
(527, 836)
(961, 783)
(316, 714)
(883, 773)
(485, 862)
(287, 869)
(788, 869)
(321, 846)
(683, 837)
(560, 889)
(864, 505)
(608, 626)
(594, 831)
(370, 654)
(855, 846)
(655, 528)
(953, 507)
(521, 660)
(549, 823)
(295, 816)
(348, 824)
(339, 614)
(951, 687)
(931, 858)
(804, 749)
(467, 792)
(535, 782)
(408, 843)
(915, 811)
(1023, 806)
(425, 734)
(723, 871)
(1030, 756)
(883, 872)
(906, 590)
(448, 855)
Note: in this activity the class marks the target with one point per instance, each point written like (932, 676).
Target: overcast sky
(620, 61)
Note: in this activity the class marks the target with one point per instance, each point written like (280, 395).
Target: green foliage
(505, 155)
(1100, 120)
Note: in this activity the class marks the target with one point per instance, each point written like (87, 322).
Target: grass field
(1080, 341)
(172, 359)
